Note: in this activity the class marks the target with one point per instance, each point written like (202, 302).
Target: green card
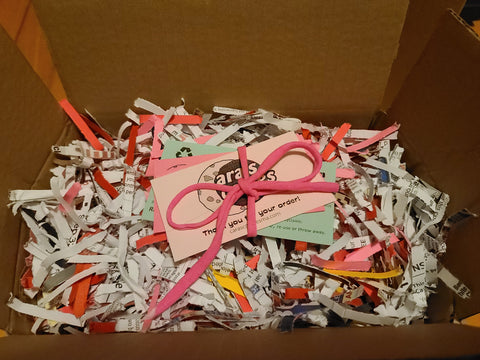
(148, 210)
(314, 227)
(177, 149)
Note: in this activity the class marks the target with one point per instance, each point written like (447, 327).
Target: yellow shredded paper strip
(369, 275)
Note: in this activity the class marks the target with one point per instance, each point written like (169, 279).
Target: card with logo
(177, 155)
(315, 227)
(225, 169)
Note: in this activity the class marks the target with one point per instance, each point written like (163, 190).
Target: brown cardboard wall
(19, 323)
(413, 342)
(421, 20)
(287, 56)
(31, 123)
(438, 108)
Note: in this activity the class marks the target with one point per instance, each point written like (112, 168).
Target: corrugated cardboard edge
(438, 108)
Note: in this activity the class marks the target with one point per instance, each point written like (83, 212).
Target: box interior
(279, 56)
(438, 109)
(315, 59)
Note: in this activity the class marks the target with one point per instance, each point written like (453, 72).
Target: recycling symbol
(184, 152)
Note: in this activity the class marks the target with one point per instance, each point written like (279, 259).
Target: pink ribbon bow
(250, 186)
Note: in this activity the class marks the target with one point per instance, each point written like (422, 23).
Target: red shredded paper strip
(131, 145)
(151, 239)
(306, 134)
(144, 182)
(243, 302)
(97, 279)
(81, 124)
(402, 250)
(372, 293)
(186, 119)
(97, 174)
(296, 293)
(356, 302)
(92, 125)
(102, 327)
(301, 246)
(27, 279)
(340, 255)
(332, 145)
(252, 263)
(371, 215)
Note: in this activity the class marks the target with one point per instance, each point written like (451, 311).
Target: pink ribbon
(250, 186)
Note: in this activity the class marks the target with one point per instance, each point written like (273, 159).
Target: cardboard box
(322, 61)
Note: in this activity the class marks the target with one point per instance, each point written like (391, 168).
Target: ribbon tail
(251, 217)
(199, 267)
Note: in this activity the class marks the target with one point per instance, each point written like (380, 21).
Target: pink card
(167, 166)
(197, 206)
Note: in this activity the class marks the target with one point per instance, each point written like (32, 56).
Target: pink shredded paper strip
(373, 139)
(71, 194)
(345, 173)
(341, 265)
(366, 251)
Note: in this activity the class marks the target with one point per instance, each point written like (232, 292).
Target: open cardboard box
(322, 61)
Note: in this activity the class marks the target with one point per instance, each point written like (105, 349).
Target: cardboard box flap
(438, 341)
(438, 108)
(415, 35)
(31, 122)
(285, 56)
